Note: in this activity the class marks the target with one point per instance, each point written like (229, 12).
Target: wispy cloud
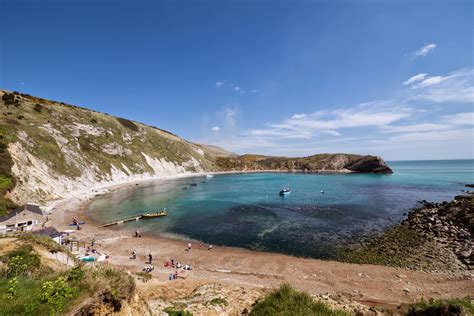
(215, 128)
(423, 51)
(458, 86)
(220, 83)
(415, 78)
(466, 118)
(391, 128)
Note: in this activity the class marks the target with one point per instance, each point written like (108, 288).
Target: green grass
(5, 182)
(172, 312)
(464, 306)
(218, 301)
(287, 301)
(44, 241)
(29, 288)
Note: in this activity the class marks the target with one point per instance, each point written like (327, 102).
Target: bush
(288, 301)
(128, 124)
(38, 107)
(21, 262)
(172, 312)
(442, 307)
(56, 294)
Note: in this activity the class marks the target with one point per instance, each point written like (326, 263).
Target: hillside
(50, 150)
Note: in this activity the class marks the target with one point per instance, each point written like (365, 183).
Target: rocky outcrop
(450, 224)
(435, 237)
(369, 164)
(316, 163)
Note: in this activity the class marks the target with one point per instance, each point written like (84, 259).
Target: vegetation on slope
(287, 301)
(315, 163)
(71, 140)
(6, 179)
(463, 306)
(27, 287)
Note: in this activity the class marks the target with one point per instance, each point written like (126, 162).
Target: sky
(291, 78)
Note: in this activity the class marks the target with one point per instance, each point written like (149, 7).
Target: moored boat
(155, 214)
(285, 191)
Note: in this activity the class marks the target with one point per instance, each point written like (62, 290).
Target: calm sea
(245, 210)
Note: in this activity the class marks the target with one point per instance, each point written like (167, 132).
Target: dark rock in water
(470, 185)
(369, 164)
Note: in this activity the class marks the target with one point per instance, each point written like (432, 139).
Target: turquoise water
(245, 210)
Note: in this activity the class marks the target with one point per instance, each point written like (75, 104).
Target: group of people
(171, 264)
(178, 265)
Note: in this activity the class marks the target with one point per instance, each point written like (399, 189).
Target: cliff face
(316, 163)
(54, 149)
(50, 150)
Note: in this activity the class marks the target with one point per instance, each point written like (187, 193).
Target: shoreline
(372, 285)
(112, 187)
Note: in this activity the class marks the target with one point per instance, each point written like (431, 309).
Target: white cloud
(298, 116)
(253, 91)
(415, 78)
(333, 133)
(458, 86)
(236, 88)
(216, 129)
(433, 136)
(423, 51)
(220, 83)
(466, 118)
(422, 127)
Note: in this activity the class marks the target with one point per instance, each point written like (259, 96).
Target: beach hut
(25, 218)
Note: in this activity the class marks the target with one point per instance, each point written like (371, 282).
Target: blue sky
(390, 78)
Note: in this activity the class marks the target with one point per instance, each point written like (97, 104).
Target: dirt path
(368, 284)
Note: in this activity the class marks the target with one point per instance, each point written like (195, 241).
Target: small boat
(285, 191)
(193, 184)
(209, 176)
(155, 214)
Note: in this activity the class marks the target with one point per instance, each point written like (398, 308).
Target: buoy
(322, 192)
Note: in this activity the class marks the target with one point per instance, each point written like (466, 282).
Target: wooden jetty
(121, 221)
(135, 218)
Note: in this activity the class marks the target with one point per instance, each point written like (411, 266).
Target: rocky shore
(450, 224)
(435, 237)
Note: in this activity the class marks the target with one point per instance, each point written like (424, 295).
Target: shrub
(56, 293)
(38, 107)
(288, 301)
(442, 307)
(172, 312)
(9, 98)
(128, 124)
(22, 262)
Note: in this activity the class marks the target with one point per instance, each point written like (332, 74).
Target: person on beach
(189, 247)
(134, 254)
(150, 258)
(210, 247)
(172, 262)
(92, 242)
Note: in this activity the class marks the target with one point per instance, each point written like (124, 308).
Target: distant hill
(50, 150)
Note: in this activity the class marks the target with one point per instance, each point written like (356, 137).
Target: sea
(322, 213)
